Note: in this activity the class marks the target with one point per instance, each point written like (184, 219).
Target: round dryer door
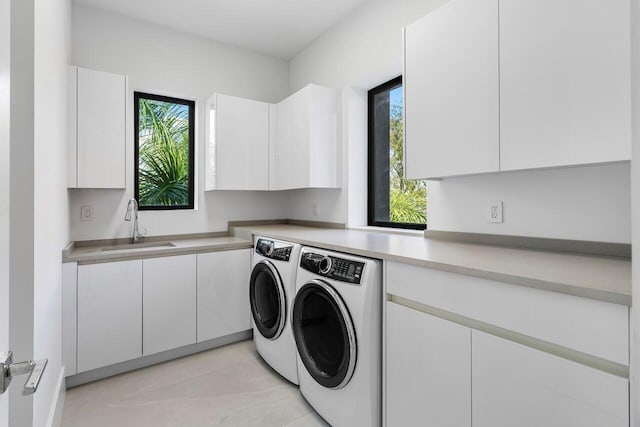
(267, 297)
(324, 334)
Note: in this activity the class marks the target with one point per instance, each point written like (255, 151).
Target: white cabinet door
(514, 385)
(307, 149)
(589, 326)
(293, 141)
(564, 82)
(101, 118)
(109, 313)
(451, 91)
(223, 293)
(428, 376)
(324, 159)
(274, 146)
(169, 303)
(241, 144)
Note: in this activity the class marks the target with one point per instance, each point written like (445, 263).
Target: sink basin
(136, 246)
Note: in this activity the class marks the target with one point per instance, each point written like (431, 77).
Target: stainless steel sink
(136, 246)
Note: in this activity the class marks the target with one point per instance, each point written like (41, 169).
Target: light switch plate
(495, 212)
(86, 213)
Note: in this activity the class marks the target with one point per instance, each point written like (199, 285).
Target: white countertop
(595, 277)
(601, 278)
(179, 246)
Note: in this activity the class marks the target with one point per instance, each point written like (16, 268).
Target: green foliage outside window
(408, 198)
(163, 156)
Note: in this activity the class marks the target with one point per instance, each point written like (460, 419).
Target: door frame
(17, 74)
(4, 189)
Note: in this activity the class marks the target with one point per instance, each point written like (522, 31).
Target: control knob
(325, 265)
(269, 248)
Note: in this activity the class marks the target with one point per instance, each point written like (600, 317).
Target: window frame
(191, 104)
(371, 163)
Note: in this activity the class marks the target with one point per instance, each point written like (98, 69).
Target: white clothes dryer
(337, 326)
(271, 292)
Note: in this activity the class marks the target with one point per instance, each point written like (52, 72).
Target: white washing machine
(271, 292)
(337, 325)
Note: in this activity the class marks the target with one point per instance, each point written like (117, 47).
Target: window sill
(388, 230)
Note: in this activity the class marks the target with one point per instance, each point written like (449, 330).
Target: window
(164, 152)
(393, 200)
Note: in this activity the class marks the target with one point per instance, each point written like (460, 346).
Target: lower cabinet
(223, 293)
(440, 373)
(514, 385)
(169, 301)
(428, 370)
(109, 313)
(123, 310)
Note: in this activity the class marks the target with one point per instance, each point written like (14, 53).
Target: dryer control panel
(273, 250)
(332, 267)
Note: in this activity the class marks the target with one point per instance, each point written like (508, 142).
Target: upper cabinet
(254, 145)
(539, 84)
(307, 147)
(565, 82)
(97, 129)
(238, 144)
(451, 91)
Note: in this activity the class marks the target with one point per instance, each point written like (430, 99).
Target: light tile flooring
(227, 386)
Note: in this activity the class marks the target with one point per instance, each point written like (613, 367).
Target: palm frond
(163, 154)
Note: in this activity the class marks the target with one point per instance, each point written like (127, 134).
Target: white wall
(160, 60)
(365, 49)
(582, 203)
(360, 52)
(51, 211)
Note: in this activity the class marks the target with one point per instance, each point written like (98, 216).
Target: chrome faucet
(133, 205)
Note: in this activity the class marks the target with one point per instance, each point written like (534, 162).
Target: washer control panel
(273, 250)
(332, 267)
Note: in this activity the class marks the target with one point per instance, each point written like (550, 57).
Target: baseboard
(57, 404)
(153, 359)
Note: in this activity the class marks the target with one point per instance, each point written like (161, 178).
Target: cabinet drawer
(597, 328)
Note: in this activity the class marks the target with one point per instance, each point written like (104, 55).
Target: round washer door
(268, 301)
(324, 334)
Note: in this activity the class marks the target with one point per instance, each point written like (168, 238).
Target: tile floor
(227, 386)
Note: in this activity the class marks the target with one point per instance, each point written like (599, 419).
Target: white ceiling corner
(279, 28)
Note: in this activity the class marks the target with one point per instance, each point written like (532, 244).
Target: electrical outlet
(86, 213)
(495, 212)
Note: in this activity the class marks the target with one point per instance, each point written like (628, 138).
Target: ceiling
(279, 28)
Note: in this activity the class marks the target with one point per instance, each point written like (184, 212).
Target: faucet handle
(143, 234)
(127, 215)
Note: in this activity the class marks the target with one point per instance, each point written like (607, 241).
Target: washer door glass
(267, 297)
(324, 334)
